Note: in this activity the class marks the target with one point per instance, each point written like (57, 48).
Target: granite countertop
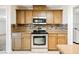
(21, 30)
(69, 49)
(58, 31)
(30, 30)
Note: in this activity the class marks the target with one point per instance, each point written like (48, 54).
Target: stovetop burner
(39, 32)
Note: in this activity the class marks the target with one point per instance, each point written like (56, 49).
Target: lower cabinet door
(16, 44)
(26, 45)
(52, 43)
(22, 43)
(62, 38)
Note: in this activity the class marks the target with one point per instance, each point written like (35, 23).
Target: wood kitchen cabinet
(21, 42)
(28, 16)
(20, 16)
(26, 41)
(16, 44)
(62, 38)
(56, 38)
(57, 16)
(39, 13)
(24, 16)
(49, 15)
(52, 41)
(39, 7)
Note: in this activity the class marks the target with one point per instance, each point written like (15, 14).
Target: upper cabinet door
(28, 16)
(49, 17)
(39, 13)
(20, 17)
(42, 14)
(57, 16)
(35, 13)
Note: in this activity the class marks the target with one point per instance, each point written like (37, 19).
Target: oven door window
(39, 40)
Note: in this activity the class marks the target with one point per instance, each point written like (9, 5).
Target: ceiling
(49, 6)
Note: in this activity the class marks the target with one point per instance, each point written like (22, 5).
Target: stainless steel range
(39, 39)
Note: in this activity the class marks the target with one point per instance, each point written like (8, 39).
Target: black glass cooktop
(39, 32)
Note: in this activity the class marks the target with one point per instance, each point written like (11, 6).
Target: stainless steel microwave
(39, 20)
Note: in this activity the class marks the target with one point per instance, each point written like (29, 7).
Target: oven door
(39, 41)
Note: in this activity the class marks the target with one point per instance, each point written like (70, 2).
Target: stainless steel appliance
(39, 20)
(76, 34)
(39, 39)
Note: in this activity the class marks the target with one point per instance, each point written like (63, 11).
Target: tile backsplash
(57, 27)
(31, 27)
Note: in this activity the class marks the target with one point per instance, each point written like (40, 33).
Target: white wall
(3, 28)
(13, 14)
(65, 15)
(70, 25)
(76, 16)
(8, 30)
(2, 20)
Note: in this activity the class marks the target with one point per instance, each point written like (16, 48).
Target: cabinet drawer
(26, 34)
(52, 34)
(62, 34)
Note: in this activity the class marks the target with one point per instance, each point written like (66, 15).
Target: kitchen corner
(38, 30)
